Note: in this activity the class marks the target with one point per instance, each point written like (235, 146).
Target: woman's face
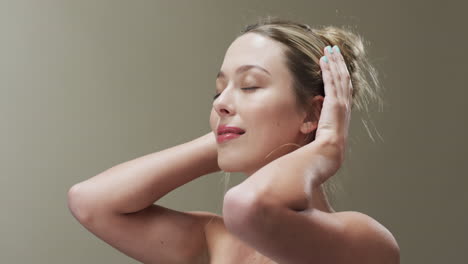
(268, 114)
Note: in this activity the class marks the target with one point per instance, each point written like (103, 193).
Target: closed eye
(245, 88)
(249, 88)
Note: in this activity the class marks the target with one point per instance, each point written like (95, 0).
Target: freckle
(162, 242)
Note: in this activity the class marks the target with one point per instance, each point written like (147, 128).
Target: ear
(312, 116)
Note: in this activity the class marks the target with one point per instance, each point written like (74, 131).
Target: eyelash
(246, 88)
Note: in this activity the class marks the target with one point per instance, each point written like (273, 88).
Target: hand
(333, 125)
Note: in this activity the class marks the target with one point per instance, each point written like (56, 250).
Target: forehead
(254, 49)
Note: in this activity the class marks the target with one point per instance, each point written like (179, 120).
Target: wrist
(208, 143)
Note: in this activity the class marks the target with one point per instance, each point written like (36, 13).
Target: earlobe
(308, 126)
(311, 120)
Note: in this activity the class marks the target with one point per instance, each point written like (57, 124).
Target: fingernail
(325, 59)
(329, 49)
(336, 48)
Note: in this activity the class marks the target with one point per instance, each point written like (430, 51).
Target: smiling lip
(229, 129)
(228, 132)
(225, 137)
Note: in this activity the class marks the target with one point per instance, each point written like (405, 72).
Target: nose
(223, 104)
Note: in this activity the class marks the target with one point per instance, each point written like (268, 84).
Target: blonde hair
(303, 48)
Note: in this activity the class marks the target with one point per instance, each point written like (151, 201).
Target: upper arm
(153, 235)
(368, 241)
(311, 236)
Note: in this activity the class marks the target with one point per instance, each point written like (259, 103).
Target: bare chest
(225, 248)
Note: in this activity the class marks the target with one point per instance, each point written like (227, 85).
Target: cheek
(268, 131)
(279, 118)
(213, 119)
(277, 126)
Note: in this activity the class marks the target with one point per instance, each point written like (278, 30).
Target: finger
(334, 115)
(326, 76)
(334, 72)
(344, 73)
(345, 88)
(329, 81)
(329, 117)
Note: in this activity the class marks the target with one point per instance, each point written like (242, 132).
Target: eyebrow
(241, 69)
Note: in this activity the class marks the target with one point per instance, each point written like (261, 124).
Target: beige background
(86, 85)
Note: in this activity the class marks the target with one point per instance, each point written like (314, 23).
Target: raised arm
(136, 184)
(272, 210)
(117, 205)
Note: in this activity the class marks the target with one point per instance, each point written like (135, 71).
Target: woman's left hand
(333, 125)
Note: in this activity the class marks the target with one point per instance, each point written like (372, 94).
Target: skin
(269, 113)
(266, 211)
(270, 211)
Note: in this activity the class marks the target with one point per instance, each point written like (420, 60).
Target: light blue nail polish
(329, 49)
(325, 59)
(336, 48)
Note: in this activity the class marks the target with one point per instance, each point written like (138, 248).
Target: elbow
(76, 201)
(395, 253)
(240, 209)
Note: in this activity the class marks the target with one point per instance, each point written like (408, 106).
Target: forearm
(289, 180)
(136, 184)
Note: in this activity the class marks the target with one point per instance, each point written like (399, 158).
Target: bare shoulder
(206, 220)
(368, 239)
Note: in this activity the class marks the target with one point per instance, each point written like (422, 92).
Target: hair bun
(306, 27)
(363, 74)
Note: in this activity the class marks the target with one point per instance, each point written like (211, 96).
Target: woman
(280, 115)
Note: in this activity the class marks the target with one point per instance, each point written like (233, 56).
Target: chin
(235, 165)
(230, 166)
